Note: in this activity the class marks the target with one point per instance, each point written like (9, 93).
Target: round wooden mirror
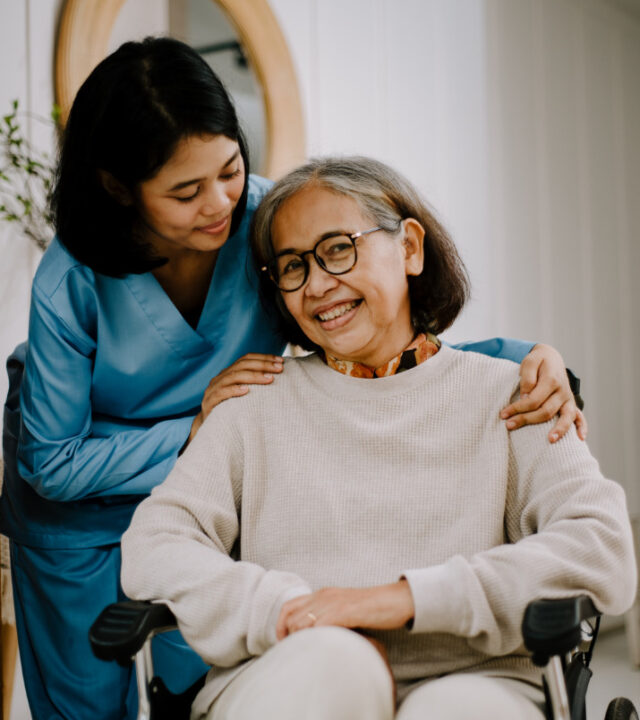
(84, 39)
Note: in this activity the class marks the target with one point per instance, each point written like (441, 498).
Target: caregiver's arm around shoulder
(544, 383)
(545, 391)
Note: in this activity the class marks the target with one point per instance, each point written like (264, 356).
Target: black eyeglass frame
(352, 237)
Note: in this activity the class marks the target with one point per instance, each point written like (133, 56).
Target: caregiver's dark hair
(437, 295)
(127, 119)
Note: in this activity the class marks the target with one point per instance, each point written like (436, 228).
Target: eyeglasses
(336, 255)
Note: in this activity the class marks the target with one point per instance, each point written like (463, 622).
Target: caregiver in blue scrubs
(144, 316)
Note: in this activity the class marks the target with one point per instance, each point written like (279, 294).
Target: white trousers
(334, 674)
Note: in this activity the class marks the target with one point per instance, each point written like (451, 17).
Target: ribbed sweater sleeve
(563, 536)
(179, 547)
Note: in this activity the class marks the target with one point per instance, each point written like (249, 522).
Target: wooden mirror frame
(83, 39)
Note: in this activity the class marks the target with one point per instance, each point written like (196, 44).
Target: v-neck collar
(169, 321)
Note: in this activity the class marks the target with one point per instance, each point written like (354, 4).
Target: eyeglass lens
(336, 255)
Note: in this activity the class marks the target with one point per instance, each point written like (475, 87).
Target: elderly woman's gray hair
(437, 295)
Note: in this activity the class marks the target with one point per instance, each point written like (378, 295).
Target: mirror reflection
(204, 26)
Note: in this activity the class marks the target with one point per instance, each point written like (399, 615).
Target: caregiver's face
(188, 204)
(363, 315)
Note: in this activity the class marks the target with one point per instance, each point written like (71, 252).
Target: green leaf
(26, 176)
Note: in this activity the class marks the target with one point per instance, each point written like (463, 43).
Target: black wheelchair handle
(553, 627)
(121, 629)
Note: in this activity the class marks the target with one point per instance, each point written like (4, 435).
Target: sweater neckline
(335, 383)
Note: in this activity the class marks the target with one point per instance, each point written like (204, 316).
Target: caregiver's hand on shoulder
(545, 393)
(250, 369)
(384, 607)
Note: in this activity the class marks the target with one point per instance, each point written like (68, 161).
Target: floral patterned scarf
(422, 347)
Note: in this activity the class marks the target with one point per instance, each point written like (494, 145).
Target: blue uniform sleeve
(504, 348)
(59, 453)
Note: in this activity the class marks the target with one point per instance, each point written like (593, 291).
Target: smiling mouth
(338, 311)
(215, 228)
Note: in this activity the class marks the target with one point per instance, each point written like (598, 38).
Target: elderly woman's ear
(414, 246)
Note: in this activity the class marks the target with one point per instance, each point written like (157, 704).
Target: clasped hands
(384, 607)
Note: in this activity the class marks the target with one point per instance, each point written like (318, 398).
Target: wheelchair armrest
(553, 627)
(121, 629)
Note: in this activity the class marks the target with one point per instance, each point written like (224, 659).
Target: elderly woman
(360, 539)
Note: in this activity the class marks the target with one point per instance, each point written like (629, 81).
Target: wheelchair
(557, 633)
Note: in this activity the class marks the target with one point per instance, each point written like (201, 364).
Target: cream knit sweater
(326, 480)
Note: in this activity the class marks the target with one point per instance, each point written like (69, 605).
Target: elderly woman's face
(363, 315)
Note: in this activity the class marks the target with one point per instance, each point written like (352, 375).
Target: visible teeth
(337, 311)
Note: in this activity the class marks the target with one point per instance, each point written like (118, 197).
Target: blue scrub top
(114, 376)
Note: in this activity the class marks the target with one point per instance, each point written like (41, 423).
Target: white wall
(565, 140)
(518, 121)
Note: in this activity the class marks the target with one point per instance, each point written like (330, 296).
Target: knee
(461, 696)
(344, 665)
(323, 673)
(337, 651)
